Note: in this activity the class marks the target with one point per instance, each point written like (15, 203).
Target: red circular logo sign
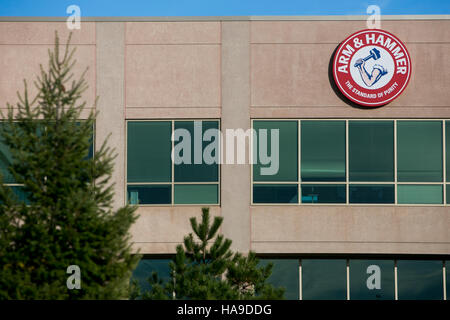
(371, 67)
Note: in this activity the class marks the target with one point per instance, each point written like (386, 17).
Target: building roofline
(230, 18)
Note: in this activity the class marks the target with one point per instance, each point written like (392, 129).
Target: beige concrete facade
(236, 71)
(235, 182)
(110, 58)
(24, 45)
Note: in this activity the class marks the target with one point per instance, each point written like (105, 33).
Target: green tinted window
(144, 271)
(91, 147)
(371, 193)
(285, 273)
(149, 158)
(275, 193)
(371, 150)
(419, 151)
(196, 172)
(6, 157)
(149, 194)
(324, 279)
(5, 162)
(323, 150)
(288, 150)
(148, 151)
(372, 280)
(420, 280)
(420, 194)
(196, 193)
(21, 194)
(323, 193)
(90, 154)
(448, 193)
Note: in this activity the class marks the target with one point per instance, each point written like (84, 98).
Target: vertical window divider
(395, 163)
(172, 196)
(347, 182)
(299, 147)
(395, 280)
(348, 278)
(444, 279)
(300, 291)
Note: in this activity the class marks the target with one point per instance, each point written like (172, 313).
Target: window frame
(368, 257)
(444, 183)
(394, 258)
(172, 183)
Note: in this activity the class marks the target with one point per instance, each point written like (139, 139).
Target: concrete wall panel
(111, 106)
(173, 113)
(160, 229)
(291, 75)
(235, 181)
(296, 75)
(181, 32)
(429, 80)
(19, 62)
(325, 248)
(364, 228)
(290, 69)
(428, 31)
(172, 76)
(388, 111)
(44, 33)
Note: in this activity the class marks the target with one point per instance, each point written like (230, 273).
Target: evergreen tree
(250, 281)
(67, 217)
(205, 268)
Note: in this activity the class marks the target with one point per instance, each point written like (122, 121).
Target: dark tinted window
(324, 279)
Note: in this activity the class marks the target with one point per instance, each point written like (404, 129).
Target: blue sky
(219, 7)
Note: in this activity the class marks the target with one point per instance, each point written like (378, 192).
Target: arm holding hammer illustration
(369, 79)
